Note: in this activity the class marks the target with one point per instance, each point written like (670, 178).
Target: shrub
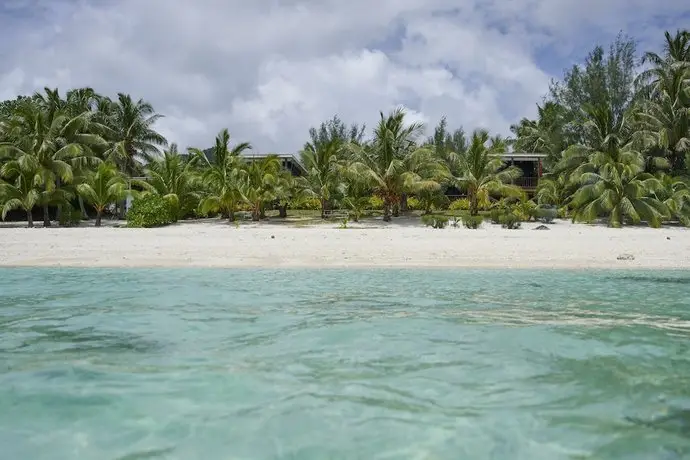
(150, 211)
(413, 204)
(461, 204)
(376, 202)
(510, 220)
(495, 215)
(70, 217)
(473, 222)
(306, 204)
(545, 214)
(434, 221)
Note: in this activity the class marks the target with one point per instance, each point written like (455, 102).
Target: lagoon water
(343, 364)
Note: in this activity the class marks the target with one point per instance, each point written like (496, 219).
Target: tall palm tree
(135, 142)
(259, 183)
(483, 173)
(103, 187)
(393, 162)
(223, 174)
(175, 179)
(323, 163)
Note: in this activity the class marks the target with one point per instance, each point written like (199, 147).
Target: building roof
(523, 156)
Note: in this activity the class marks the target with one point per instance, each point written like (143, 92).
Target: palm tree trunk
(256, 213)
(474, 205)
(282, 211)
(82, 208)
(386, 211)
(30, 218)
(403, 203)
(99, 213)
(46, 216)
(396, 209)
(324, 205)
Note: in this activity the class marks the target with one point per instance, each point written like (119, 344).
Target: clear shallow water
(338, 364)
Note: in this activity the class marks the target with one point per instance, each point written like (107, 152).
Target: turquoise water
(338, 364)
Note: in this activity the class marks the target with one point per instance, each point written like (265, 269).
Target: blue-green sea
(344, 364)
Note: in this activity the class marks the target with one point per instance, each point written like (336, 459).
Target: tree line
(615, 132)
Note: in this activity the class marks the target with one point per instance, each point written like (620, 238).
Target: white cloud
(269, 70)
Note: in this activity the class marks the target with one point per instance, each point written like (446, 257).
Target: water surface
(343, 364)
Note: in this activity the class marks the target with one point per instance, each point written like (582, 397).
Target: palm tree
(483, 172)
(23, 189)
(675, 195)
(611, 177)
(134, 140)
(259, 183)
(43, 129)
(393, 163)
(103, 187)
(323, 165)
(544, 135)
(223, 174)
(175, 179)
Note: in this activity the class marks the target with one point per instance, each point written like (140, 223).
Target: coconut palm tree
(392, 161)
(223, 172)
(483, 173)
(175, 179)
(134, 141)
(42, 128)
(259, 183)
(23, 189)
(675, 195)
(103, 187)
(611, 178)
(323, 163)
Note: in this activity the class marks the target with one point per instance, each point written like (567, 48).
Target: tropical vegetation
(613, 135)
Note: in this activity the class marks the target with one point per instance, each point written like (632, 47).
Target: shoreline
(404, 244)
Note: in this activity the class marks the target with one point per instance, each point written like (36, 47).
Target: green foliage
(413, 204)
(472, 222)
(461, 204)
(306, 204)
(510, 220)
(376, 202)
(150, 211)
(435, 221)
(69, 217)
(545, 214)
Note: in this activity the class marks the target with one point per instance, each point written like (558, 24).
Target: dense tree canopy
(614, 133)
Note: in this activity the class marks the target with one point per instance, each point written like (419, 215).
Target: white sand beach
(404, 243)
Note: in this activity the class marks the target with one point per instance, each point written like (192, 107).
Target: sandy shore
(401, 244)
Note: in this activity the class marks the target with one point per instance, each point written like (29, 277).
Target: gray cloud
(269, 70)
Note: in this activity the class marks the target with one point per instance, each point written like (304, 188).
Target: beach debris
(668, 237)
(626, 257)
(542, 227)
(273, 237)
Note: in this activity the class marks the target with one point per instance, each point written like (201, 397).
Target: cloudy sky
(269, 69)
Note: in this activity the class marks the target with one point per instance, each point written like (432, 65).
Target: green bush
(150, 211)
(510, 220)
(545, 214)
(413, 204)
(461, 204)
(473, 222)
(434, 221)
(376, 202)
(306, 204)
(70, 216)
(495, 215)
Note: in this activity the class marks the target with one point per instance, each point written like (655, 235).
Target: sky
(269, 69)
